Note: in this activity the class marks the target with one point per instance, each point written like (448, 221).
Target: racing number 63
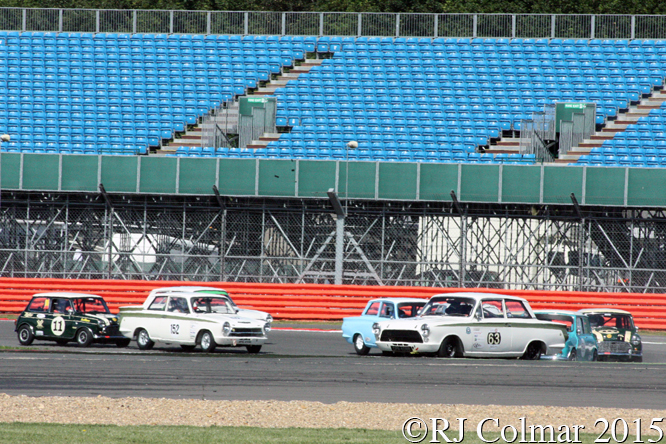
(494, 338)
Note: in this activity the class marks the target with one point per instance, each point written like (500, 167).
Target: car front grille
(614, 347)
(401, 336)
(112, 330)
(246, 332)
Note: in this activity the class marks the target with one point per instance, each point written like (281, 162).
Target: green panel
(646, 187)
(479, 183)
(521, 183)
(315, 178)
(361, 180)
(237, 177)
(119, 173)
(40, 171)
(277, 178)
(246, 104)
(397, 180)
(197, 176)
(559, 182)
(11, 171)
(79, 173)
(158, 175)
(437, 181)
(566, 110)
(604, 186)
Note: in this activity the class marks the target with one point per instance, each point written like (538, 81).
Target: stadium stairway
(629, 117)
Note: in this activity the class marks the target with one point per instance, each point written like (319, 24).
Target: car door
(58, 323)
(369, 317)
(520, 323)
(586, 340)
(492, 335)
(175, 327)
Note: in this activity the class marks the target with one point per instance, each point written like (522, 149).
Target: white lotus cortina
(472, 325)
(191, 319)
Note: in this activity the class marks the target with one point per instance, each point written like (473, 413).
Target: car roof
(559, 312)
(66, 295)
(399, 300)
(186, 289)
(603, 310)
(480, 295)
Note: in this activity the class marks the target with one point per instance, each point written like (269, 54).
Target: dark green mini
(69, 317)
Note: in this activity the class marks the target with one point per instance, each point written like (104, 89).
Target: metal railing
(335, 23)
(535, 133)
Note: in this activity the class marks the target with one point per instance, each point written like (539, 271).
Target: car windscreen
(449, 306)
(220, 293)
(90, 305)
(616, 320)
(204, 304)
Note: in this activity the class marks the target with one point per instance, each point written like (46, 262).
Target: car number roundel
(494, 338)
(58, 325)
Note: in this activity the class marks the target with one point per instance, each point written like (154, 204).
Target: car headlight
(226, 329)
(635, 340)
(269, 319)
(267, 327)
(425, 330)
(376, 330)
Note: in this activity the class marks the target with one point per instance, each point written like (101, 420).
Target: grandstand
(403, 99)
(111, 173)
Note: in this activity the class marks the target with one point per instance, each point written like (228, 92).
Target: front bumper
(239, 341)
(408, 347)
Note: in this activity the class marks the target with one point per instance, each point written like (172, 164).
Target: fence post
(246, 23)
(60, 20)
(321, 24)
(592, 24)
(633, 27)
(208, 23)
(552, 26)
(397, 25)
(170, 22)
(436, 33)
(134, 21)
(474, 25)
(24, 23)
(360, 25)
(284, 23)
(97, 21)
(513, 26)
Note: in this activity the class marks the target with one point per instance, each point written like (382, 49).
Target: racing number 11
(58, 325)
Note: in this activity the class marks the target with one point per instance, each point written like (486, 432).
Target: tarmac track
(320, 366)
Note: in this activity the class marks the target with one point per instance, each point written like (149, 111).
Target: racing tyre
(637, 359)
(449, 349)
(61, 342)
(187, 348)
(573, 356)
(207, 342)
(387, 353)
(122, 343)
(253, 348)
(533, 352)
(359, 345)
(143, 340)
(595, 356)
(84, 337)
(25, 335)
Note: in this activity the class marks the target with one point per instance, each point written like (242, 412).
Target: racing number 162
(494, 338)
(175, 328)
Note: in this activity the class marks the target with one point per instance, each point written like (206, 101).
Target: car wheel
(359, 345)
(533, 352)
(143, 340)
(207, 342)
(84, 337)
(573, 356)
(61, 342)
(187, 348)
(25, 335)
(387, 353)
(122, 343)
(595, 356)
(449, 349)
(253, 348)
(638, 359)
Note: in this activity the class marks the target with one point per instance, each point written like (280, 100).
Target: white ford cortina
(473, 325)
(191, 319)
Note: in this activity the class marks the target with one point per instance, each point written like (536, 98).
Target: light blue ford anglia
(581, 344)
(358, 330)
